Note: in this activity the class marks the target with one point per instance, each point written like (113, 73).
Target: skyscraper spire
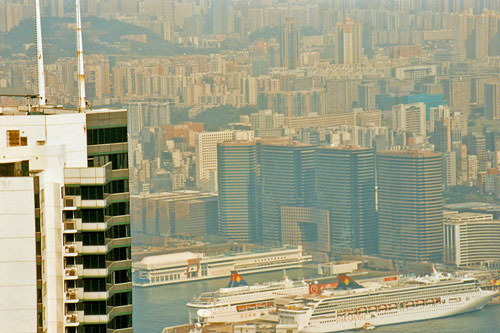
(79, 52)
(39, 55)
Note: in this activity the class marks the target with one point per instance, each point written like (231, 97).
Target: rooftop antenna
(82, 102)
(39, 55)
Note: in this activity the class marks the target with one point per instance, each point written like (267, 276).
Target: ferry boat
(240, 302)
(188, 266)
(400, 301)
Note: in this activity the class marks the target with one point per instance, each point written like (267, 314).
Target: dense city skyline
(339, 136)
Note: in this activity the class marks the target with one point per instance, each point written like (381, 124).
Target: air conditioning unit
(69, 202)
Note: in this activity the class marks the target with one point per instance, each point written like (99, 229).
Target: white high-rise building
(470, 238)
(64, 222)
(410, 117)
(206, 155)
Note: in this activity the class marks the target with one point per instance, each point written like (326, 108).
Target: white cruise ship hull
(450, 307)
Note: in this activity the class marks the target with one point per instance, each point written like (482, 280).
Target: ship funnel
(39, 55)
(82, 102)
(347, 283)
(236, 280)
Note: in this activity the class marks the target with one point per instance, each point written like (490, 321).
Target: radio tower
(82, 102)
(39, 55)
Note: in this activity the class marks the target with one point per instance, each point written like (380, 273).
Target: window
(118, 231)
(118, 208)
(117, 186)
(94, 308)
(98, 328)
(92, 192)
(72, 190)
(121, 322)
(13, 138)
(119, 253)
(93, 238)
(99, 136)
(94, 284)
(92, 215)
(122, 276)
(94, 261)
(119, 160)
(120, 299)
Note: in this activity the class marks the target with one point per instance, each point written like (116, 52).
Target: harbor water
(161, 306)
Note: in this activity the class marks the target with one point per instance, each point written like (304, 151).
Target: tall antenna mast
(79, 52)
(39, 55)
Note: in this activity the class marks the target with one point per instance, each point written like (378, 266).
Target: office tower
(187, 214)
(345, 185)
(265, 123)
(476, 145)
(492, 100)
(67, 246)
(237, 170)
(470, 238)
(206, 155)
(410, 205)
(410, 117)
(289, 45)
(476, 45)
(349, 38)
(145, 114)
(457, 90)
(366, 95)
(222, 17)
(287, 172)
(306, 226)
(340, 96)
(450, 168)
(442, 135)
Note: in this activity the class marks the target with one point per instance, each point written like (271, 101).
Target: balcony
(118, 242)
(114, 311)
(94, 226)
(118, 287)
(73, 272)
(71, 226)
(119, 264)
(95, 295)
(117, 220)
(121, 330)
(73, 318)
(101, 203)
(95, 249)
(71, 249)
(114, 197)
(95, 272)
(73, 295)
(96, 319)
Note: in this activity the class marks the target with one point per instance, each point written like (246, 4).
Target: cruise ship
(398, 300)
(188, 266)
(240, 302)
